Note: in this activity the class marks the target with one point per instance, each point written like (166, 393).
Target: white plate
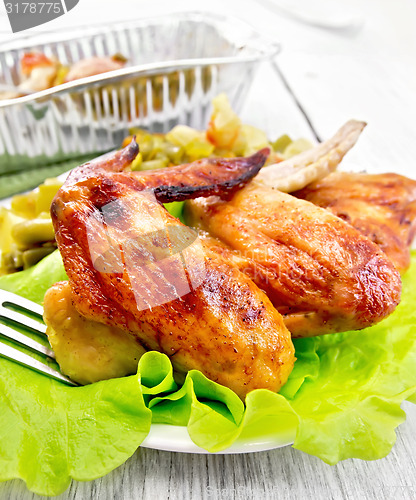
(174, 438)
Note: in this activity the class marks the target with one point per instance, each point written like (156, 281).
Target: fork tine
(8, 298)
(25, 360)
(21, 319)
(22, 339)
(9, 352)
(11, 298)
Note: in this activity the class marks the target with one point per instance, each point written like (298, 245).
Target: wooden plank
(271, 106)
(384, 96)
(282, 474)
(332, 77)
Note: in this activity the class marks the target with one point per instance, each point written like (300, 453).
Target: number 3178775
(34, 7)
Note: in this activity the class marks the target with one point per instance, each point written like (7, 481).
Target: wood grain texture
(277, 474)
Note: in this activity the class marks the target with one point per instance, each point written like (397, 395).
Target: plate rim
(175, 438)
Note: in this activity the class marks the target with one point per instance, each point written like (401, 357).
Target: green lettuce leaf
(51, 433)
(353, 406)
(342, 400)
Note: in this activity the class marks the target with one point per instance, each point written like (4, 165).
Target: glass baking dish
(176, 65)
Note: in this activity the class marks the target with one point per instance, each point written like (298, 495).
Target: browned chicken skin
(321, 273)
(382, 207)
(191, 304)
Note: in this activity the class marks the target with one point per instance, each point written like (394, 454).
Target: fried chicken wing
(319, 272)
(135, 268)
(87, 350)
(322, 274)
(382, 207)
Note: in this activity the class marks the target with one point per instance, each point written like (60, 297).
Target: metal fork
(10, 307)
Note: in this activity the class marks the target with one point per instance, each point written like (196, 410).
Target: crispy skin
(225, 326)
(321, 274)
(382, 206)
(209, 176)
